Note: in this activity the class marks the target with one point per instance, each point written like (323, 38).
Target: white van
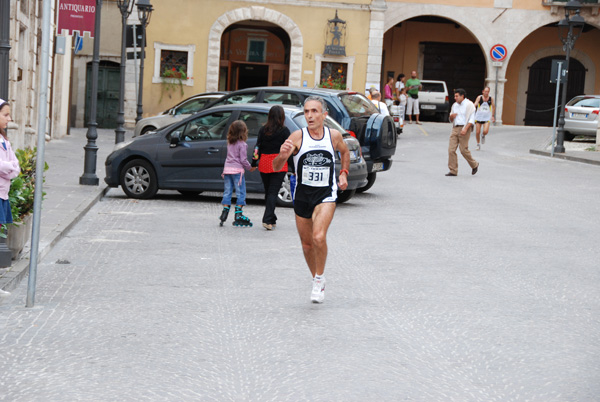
(433, 99)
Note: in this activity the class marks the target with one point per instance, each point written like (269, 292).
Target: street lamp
(569, 29)
(144, 13)
(4, 47)
(89, 177)
(125, 7)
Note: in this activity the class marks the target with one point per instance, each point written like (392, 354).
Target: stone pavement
(574, 151)
(66, 201)
(470, 288)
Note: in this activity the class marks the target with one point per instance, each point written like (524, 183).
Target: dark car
(352, 110)
(189, 156)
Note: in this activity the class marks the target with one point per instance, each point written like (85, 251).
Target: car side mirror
(172, 112)
(175, 138)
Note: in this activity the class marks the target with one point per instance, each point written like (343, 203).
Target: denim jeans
(232, 181)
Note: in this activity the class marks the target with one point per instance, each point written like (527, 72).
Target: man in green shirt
(413, 85)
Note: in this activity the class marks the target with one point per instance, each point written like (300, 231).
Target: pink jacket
(9, 167)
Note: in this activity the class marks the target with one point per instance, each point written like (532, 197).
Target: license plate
(377, 166)
(428, 107)
(579, 115)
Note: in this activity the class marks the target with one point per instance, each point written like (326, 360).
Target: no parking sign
(498, 52)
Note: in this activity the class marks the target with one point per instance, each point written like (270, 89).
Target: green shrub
(22, 188)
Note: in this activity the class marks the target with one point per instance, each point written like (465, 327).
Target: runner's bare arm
(287, 149)
(342, 148)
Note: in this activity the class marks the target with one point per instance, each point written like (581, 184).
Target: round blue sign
(498, 52)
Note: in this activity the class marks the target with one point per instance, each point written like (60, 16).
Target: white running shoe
(478, 147)
(483, 139)
(318, 291)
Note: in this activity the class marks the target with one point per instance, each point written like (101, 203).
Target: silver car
(581, 116)
(177, 113)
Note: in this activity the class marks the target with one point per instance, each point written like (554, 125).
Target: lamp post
(125, 7)
(89, 177)
(4, 46)
(573, 26)
(144, 13)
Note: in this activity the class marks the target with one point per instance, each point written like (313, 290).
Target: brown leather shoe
(450, 174)
(475, 169)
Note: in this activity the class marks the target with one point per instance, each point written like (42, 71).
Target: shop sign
(336, 37)
(77, 16)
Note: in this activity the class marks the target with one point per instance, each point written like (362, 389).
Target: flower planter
(18, 235)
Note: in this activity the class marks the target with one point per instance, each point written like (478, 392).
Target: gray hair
(318, 99)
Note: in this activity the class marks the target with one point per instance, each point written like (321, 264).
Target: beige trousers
(462, 141)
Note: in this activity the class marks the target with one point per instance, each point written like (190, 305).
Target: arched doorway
(541, 93)
(107, 107)
(254, 53)
(438, 49)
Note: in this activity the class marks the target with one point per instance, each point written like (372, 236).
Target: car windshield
(432, 87)
(585, 102)
(357, 104)
(329, 122)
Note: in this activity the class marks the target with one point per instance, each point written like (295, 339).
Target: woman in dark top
(270, 137)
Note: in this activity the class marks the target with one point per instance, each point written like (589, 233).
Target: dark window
(173, 64)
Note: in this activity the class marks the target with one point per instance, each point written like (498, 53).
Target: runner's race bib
(315, 176)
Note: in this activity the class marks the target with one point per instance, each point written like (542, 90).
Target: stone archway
(259, 14)
(523, 77)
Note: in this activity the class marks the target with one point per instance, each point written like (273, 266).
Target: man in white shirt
(382, 107)
(462, 116)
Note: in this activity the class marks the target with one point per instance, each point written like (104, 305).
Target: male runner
(314, 150)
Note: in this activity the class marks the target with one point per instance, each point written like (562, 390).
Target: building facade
(273, 42)
(209, 45)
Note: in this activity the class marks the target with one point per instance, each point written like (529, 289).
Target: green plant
(172, 79)
(333, 83)
(22, 187)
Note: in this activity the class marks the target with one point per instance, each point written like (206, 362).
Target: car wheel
(370, 181)
(189, 193)
(284, 198)
(343, 196)
(444, 117)
(568, 136)
(147, 129)
(138, 179)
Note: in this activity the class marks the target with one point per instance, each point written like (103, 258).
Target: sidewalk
(574, 151)
(66, 201)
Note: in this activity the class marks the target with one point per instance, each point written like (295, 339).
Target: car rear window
(585, 102)
(282, 98)
(357, 104)
(432, 87)
(248, 97)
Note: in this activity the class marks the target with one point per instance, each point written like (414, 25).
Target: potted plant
(172, 79)
(20, 195)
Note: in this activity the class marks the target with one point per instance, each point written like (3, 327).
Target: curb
(566, 157)
(20, 267)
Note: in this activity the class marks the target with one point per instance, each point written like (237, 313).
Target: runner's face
(314, 115)
(5, 117)
(486, 92)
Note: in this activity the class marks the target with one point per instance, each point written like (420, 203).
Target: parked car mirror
(172, 112)
(175, 138)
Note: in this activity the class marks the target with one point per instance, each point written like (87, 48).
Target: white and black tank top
(315, 169)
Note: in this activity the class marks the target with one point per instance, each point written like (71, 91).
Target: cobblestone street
(468, 288)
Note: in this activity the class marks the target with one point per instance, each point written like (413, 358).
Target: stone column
(375, 51)
(490, 81)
